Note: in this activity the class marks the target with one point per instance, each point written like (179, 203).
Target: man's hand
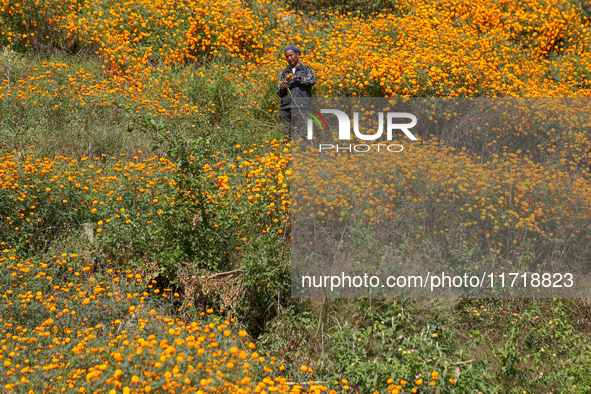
(288, 79)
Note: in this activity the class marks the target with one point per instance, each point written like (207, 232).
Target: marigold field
(146, 206)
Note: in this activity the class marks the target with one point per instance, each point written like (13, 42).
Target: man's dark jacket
(300, 86)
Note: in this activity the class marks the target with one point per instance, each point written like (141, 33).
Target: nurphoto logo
(344, 130)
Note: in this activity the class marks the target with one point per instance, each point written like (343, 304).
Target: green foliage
(201, 232)
(492, 346)
(389, 344)
(267, 282)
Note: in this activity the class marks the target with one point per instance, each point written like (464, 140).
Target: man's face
(292, 57)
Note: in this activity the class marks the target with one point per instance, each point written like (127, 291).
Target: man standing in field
(295, 90)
